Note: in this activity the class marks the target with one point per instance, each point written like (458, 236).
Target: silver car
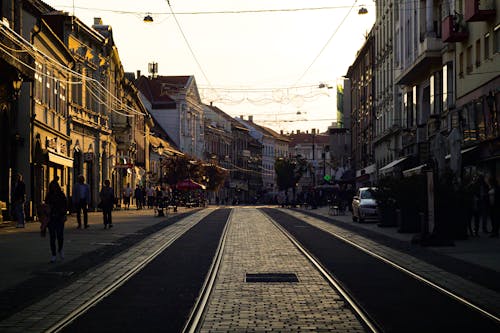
(364, 205)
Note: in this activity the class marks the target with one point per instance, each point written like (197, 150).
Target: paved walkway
(25, 252)
(42, 315)
(482, 250)
(255, 245)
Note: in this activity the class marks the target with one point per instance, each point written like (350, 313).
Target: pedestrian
(138, 195)
(475, 202)
(107, 196)
(57, 207)
(494, 200)
(81, 201)
(127, 194)
(18, 200)
(144, 196)
(151, 196)
(484, 203)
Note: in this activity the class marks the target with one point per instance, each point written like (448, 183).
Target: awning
(391, 165)
(60, 159)
(414, 171)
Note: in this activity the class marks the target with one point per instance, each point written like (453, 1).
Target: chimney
(298, 131)
(138, 73)
(250, 119)
(313, 131)
(211, 103)
(281, 132)
(242, 117)
(97, 21)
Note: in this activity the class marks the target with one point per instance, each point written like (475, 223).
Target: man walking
(18, 200)
(81, 201)
(107, 196)
(127, 193)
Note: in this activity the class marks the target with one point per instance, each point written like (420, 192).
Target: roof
(274, 134)
(158, 90)
(307, 138)
(169, 150)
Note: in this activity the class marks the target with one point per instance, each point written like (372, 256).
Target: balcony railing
(479, 10)
(453, 30)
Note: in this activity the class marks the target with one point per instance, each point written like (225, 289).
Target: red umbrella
(188, 184)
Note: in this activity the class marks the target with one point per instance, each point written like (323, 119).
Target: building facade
(361, 76)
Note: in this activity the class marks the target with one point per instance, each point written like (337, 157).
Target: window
(496, 39)
(461, 64)
(447, 86)
(478, 53)
(486, 46)
(38, 82)
(436, 89)
(469, 59)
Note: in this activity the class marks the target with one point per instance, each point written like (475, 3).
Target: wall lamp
(148, 18)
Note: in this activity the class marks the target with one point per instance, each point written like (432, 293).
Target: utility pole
(313, 131)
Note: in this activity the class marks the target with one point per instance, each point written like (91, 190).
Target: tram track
(161, 296)
(331, 253)
(363, 316)
(112, 287)
(195, 317)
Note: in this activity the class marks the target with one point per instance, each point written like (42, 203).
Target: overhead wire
(326, 44)
(188, 44)
(249, 11)
(32, 50)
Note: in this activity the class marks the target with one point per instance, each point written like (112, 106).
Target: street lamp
(160, 150)
(362, 11)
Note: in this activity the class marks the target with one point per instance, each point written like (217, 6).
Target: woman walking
(107, 196)
(58, 206)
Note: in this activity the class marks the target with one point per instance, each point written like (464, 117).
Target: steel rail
(412, 274)
(194, 321)
(61, 324)
(358, 310)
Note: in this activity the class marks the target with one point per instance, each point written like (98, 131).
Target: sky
(266, 58)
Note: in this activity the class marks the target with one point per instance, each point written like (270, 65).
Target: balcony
(429, 58)
(479, 10)
(452, 30)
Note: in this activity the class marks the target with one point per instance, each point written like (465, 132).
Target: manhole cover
(271, 277)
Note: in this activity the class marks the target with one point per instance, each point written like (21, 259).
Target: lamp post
(314, 156)
(160, 150)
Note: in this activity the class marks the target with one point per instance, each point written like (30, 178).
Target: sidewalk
(26, 254)
(483, 250)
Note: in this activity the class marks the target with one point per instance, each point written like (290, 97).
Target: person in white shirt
(81, 201)
(150, 192)
(127, 193)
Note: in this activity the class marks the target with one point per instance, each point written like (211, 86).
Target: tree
(289, 171)
(216, 176)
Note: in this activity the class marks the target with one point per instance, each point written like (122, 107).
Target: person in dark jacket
(81, 201)
(494, 199)
(19, 199)
(107, 196)
(58, 207)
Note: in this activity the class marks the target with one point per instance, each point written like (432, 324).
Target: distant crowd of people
(482, 200)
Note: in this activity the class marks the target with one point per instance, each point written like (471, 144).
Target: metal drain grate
(271, 277)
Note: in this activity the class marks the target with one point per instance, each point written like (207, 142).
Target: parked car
(364, 205)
